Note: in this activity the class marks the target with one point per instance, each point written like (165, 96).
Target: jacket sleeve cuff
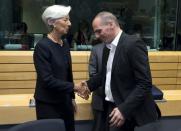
(73, 95)
(125, 112)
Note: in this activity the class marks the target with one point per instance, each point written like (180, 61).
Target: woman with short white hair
(54, 93)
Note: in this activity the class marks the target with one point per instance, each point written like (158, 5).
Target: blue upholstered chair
(40, 125)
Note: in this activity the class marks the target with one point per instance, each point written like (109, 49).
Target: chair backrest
(37, 37)
(40, 125)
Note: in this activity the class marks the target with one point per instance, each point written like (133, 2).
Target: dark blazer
(130, 80)
(54, 72)
(95, 65)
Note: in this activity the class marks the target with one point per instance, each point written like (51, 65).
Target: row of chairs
(40, 125)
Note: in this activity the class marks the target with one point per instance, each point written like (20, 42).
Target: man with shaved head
(125, 77)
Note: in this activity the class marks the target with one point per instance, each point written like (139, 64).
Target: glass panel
(178, 40)
(138, 17)
(80, 37)
(168, 24)
(21, 22)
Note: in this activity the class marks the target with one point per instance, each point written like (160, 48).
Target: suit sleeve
(93, 63)
(43, 68)
(70, 73)
(95, 80)
(138, 58)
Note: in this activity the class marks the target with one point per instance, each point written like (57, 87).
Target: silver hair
(54, 12)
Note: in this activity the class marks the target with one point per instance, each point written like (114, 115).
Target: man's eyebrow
(97, 30)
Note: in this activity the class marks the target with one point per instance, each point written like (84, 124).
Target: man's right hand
(82, 90)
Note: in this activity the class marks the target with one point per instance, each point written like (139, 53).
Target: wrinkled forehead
(97, 22)
(98, 26)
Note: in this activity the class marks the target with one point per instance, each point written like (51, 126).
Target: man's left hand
(117, 118)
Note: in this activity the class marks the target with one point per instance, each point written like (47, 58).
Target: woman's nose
(69, 23)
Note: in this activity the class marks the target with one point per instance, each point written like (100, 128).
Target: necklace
(59, 41)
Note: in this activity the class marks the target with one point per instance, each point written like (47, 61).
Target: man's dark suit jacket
(130, 80)
(95, 65)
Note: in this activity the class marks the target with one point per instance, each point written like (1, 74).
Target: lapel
(104, 60)
(105, 57)
(118, 50)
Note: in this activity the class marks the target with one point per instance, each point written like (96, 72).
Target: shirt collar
(114, 43)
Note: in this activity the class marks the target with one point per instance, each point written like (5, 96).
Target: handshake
(82, 90)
